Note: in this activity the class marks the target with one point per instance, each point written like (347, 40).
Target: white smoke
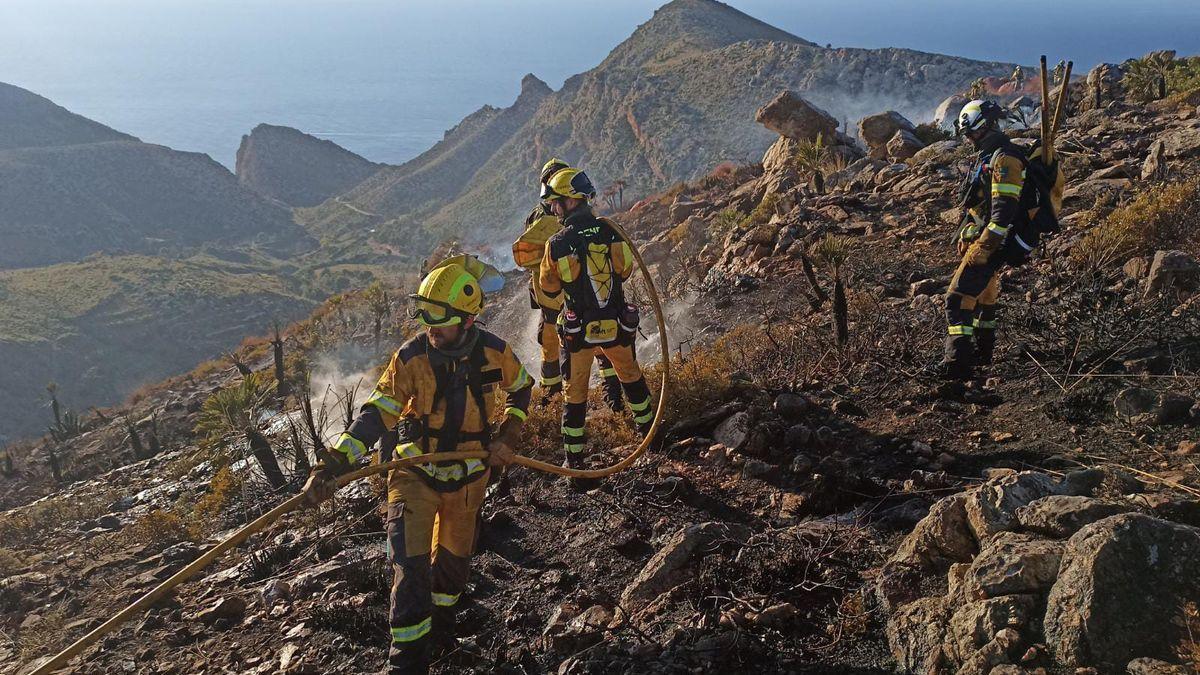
(336, 378)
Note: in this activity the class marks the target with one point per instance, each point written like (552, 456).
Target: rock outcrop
(298, 169)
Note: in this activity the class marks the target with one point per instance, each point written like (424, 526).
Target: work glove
(322, 479)
(500, 453)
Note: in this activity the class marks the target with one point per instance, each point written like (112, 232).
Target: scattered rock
(915, 633)
(682, 208)
(790, 406)
(1173, 269)
(992, 507)
(1119, 580)
(1174, 408)
(1156, 160)
(975, 624)
(903, 145)
(230, 608)
(733, 432)
(1135, 401)
(945, 116)
(941, 538)
(1146, 666)
(926, 287)
(662, 571)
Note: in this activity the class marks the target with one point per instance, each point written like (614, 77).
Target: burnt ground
(774, 543)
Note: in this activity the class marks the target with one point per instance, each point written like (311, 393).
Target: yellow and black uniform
(588, 263)
(440, 401)
(528, 251)
(1001, 208)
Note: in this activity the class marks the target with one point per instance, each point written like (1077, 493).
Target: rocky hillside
(815, 504)
(298, 169)
(106, 279)
(31, 121)
(104, 327)
(669, 103)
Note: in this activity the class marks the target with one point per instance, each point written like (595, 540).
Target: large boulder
(938, 153)
(1013, 564)
(876, 130)
(993, 506)
(790, 115)
(1108, 77)
(941, 538)
(1121, 581)
(1061, 516)
(974, 624)
(903, 144)
(946, 114)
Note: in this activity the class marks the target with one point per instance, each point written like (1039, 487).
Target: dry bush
(11, 562)
(723, 223)
(34, 522)
(159, 528)
(1189, 648)
(1163, 217)
(222, 490)
(763, 212)
(47, 634)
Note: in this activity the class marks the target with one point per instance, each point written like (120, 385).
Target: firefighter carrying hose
(440, 390)
(588, 263)
(528, 251)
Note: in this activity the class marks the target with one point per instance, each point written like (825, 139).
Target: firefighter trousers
(971, 311)
(552, 373)
(577, 369)
(431, 536)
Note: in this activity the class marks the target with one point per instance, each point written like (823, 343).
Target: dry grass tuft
(1163, 217)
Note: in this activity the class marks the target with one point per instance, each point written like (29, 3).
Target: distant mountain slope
(441, 173)
(298, 169)
(667, 104)
(62, 203)
(103, 327)
(31, 121)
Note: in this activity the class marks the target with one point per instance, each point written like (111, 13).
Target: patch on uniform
(1001, 173)
(491, 376)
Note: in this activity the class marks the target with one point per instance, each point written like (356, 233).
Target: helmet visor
(432, 313)
(548, 194)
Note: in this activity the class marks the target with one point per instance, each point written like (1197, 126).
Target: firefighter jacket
(588, 262)
(441, 401)
(530, 248)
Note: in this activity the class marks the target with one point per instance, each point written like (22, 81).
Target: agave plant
(810, 158)
(233, 413)
(833, 251)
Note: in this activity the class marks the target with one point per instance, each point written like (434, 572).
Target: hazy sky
(387, 77)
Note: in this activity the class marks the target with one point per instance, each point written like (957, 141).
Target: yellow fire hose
(260, 523)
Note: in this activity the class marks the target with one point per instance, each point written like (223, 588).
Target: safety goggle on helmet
(568, 183)
(978, 114)
(453, 292)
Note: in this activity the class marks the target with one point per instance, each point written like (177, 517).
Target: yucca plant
(281, 383)
(833, 251)
(1145, 79)
(380, 305)
(233, 413)
(810, 158)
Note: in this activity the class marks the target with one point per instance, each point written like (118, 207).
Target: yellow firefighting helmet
(552, 167)
(570, 183)
(453, 291)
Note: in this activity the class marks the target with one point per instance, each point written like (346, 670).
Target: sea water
(386, 78)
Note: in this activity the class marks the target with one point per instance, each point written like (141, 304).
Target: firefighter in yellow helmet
(588, 263)
(528, 251)
(1009, 200)
(440, 390)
